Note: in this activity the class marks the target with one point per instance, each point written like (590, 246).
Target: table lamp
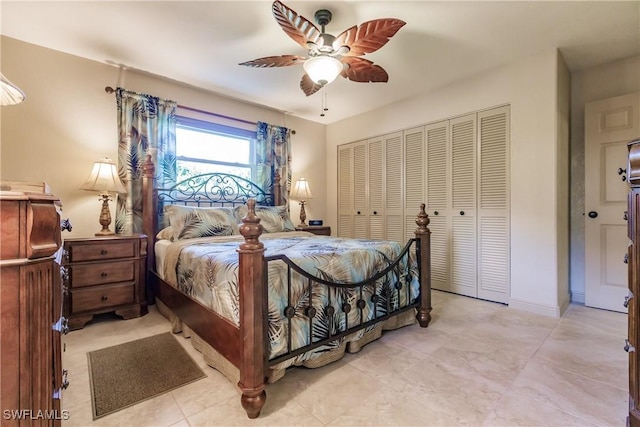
(302, 193)
(104, 179)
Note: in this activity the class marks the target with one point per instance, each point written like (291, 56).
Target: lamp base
(303, 215)
(105, 216)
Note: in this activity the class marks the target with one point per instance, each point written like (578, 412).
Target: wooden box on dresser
(105, 274)
(632, 303)
(30, 306)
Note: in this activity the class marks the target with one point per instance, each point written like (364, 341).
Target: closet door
(360, 205)
(375, 185)
(345, 190)
(393, 186)
(493, 205)
(438, 202)
(463, 205)
(414, 170)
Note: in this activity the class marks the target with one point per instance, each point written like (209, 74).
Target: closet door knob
(435, 212)
(358, 212)
(461, 212)
(593, 214)
(375, 212)
(625, 216)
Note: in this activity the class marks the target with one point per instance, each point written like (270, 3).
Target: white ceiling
(201, 43)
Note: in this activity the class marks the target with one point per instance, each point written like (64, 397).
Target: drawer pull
(104, 252)
(103, 274)
(65, 224)
(628, 298)
(62, 326)
(104, 298)
(64, 274)
(628, 347)
(626, 259)
(65, 380)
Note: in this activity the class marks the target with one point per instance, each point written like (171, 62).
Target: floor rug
(129, 373)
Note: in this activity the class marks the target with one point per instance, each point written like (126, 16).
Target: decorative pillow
(165, 234)
(273, 218)
(188, 222)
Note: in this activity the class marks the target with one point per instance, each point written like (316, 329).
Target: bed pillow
(165, 234)
(273, 218)
(188, 222)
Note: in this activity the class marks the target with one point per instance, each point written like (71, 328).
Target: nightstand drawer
(104, 251)
(100, 273)
(102, 297)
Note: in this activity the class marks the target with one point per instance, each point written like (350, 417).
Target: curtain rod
(109, 89)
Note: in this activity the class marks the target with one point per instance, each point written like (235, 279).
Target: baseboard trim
(546, 310)
(577, 297)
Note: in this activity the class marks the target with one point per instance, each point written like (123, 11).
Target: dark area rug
(129, 373)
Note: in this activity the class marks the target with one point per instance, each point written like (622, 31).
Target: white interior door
(609, 125)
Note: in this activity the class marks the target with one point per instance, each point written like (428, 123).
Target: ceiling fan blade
(299, 28)
(368, 36)
(308, 86)
(275, 61)
(363, 70)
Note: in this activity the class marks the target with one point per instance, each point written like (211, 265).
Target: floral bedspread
(206, 269)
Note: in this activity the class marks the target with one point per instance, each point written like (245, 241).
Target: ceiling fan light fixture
(9, 93)
(323, 69)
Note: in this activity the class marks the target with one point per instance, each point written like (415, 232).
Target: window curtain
(273, 154)
(146, 126)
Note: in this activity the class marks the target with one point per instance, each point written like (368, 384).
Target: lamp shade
(323, 69)
(9, 93)
(301, 190)
(104, 178)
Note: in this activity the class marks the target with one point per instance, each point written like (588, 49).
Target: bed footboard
(254, 310)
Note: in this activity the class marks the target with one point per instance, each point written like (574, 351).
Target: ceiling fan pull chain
(324, 101)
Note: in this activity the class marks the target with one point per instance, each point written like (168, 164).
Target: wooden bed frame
(246, 347)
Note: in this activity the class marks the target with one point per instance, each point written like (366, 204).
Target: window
(205, 147)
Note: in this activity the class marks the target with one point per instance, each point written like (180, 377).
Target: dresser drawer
(102, 297)
(104, 251)
(92, 274)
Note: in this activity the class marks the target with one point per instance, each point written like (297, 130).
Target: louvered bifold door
(345, 191)
(360, 205)
(414, 170)
(393, 194)
(493, 205)
(438, 202)
(375, 169)
(463, 205)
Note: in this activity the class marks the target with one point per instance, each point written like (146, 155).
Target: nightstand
(104, 274)
(320, 230)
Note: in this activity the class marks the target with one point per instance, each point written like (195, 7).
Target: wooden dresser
(631, 301)
(104, 274)
(31, 319)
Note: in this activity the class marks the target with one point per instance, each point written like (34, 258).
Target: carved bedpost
(277, 189)
(252, 298)
(423, 234)
(149, 221)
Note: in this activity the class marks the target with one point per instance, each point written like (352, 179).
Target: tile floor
(477, 364)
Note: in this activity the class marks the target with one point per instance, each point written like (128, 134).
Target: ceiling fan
(330, 56)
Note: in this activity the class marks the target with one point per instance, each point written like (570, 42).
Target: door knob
(593, 214)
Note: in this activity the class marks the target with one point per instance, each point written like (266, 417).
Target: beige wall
(529, 86)
(68, 122)
(605, 81)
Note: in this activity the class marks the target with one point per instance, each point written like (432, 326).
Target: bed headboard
(207, 190)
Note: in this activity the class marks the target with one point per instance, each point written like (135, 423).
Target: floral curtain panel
(273, 152)
(146, 126)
